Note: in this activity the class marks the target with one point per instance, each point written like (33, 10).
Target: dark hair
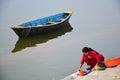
(86, 49)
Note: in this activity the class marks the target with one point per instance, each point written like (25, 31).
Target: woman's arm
(80, 66)
(81, 63)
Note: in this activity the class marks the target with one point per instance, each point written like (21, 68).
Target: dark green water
(52, 56)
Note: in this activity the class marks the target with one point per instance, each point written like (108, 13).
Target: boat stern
(69, 12)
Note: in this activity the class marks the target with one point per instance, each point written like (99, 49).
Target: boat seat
(62, 19)
(39, 25)
(52, 22)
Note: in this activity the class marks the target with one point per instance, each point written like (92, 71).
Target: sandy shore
(107, 74)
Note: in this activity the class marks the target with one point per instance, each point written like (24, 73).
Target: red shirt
(94, 58)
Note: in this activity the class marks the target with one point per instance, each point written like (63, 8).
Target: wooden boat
(32, 41)
(42, 25)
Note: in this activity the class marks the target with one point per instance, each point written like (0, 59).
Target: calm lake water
(94, 23)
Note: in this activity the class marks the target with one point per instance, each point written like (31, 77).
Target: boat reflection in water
(23, 43)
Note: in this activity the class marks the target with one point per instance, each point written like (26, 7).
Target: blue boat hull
(29, 30)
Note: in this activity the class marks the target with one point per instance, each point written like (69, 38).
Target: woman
(91, 57)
